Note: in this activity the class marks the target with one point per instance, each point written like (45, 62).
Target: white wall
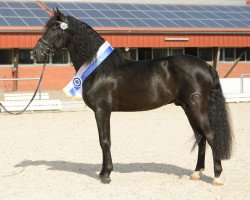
(233, 85)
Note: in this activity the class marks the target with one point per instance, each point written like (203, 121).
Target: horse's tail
(220, 120)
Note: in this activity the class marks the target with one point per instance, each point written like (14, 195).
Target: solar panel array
(19, 13)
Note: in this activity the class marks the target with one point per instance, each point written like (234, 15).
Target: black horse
(120, 84)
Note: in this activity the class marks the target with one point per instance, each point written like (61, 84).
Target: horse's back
(145, 85)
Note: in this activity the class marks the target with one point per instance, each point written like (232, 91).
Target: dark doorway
(144, 53)
(191, 51)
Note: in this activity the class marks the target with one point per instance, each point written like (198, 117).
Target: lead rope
(33, 97)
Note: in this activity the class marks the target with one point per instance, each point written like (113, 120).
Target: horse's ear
(59, 15)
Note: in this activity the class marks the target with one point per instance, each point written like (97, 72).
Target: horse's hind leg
(201, 140)
(103, 123)
(199, 120)
(200, 166)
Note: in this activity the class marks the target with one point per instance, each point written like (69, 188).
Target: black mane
(84, 43)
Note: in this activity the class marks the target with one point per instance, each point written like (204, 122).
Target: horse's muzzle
(38, 54)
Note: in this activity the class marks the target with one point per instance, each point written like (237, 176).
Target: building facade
(216, 33)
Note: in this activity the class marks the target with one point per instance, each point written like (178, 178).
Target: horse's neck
(83, 48)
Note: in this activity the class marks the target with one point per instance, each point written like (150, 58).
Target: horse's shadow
(92, 170)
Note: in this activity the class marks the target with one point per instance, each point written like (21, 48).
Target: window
(160, 53)
(130, 53)
(248, 54)
(205, 54)
(6, 56)
(60, 57)
(191, 51)
(177, 51)
(229, 54)
(25, 56)
(238, 52)
(144, 53)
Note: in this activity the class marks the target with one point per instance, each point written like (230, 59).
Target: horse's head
(55, 37)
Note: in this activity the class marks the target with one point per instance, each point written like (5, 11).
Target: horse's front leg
(103, 124)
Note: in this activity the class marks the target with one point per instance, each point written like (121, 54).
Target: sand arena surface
(57, 156)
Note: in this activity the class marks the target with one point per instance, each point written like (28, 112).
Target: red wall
(57, 77)
(6, 72)
(241, 68)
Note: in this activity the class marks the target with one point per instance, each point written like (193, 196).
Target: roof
(120, 16)
(183, 2)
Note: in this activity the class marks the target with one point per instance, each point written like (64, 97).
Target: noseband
(48, 50)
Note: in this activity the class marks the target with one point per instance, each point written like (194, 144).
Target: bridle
(47, 50)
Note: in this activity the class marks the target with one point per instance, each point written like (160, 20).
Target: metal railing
(242, 82)
(25, 79)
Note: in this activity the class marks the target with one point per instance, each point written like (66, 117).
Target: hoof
(104, 179)
(217, 182)
(195, 176)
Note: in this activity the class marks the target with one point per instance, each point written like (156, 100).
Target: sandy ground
(57, 156)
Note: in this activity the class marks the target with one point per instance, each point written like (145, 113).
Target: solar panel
(7, 12)
(211, 23)
(122, 23)
(171, 8)
(114, 6)
(99, 6)
(197, 23)
(91, 22)
(15, 4)
(142, 7)
(168, 23)
(15, 21)
(84, 6)
(155, 15)
(94, 14)
(33, 22)
(3, 5)
(239, 24)
(183, 23)
(3, 22)
(110, 14)
(68, 5)
(31, 5)
(167, 15)
(39, 13)
(198, 15)
(226, 24)
(184, 15)
(126, 14)
(137, 23)
(29, 13)
(78, 13)
(153, 23)
(128, 7)
(23, 13)
(106, 23)
(17, 13)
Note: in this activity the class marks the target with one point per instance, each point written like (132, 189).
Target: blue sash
(74, 87)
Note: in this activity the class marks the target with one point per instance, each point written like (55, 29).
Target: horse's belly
(140, 101)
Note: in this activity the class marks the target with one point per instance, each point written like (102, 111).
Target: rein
(33, 97)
